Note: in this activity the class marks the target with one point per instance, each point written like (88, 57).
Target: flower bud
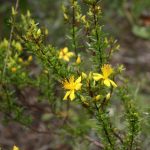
(83, 75)
(30, 58)
(108, 96)
(78, 61)
(13, 69)
(38, 32)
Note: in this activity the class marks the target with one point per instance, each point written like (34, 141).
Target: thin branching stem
(104, 127)
(73, 28)
(6, 59)
(97, 35)
(10, 40)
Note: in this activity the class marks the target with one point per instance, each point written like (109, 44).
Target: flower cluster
(72, 85)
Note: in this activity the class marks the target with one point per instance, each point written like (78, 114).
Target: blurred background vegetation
(125, 20)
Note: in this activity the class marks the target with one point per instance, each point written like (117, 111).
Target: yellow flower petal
(78, 86)
(78, 80)
(72, 95)
(113, 83)
(70, 54)
(107, 82)
(97, 76)
(65, 50)
(66, 58)
(60, 55)
(66, 95)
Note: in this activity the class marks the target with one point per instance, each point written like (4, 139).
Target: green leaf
(142, 32)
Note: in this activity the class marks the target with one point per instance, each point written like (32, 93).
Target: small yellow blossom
(13, 69)
(71, 86)
(65, 54)
(78, 61)
(30, 58)
(15, 148)
(106, 72)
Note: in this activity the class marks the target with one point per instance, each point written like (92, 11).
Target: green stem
(73, 29)
(104, 128)
(8, 53)
(97, 36)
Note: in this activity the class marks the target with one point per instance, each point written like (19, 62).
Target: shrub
(81, 74)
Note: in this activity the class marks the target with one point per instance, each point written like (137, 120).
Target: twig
(73, 28)
(98, 144)
(127, 14)
(104, 127)
(97, 35)
(10, 40)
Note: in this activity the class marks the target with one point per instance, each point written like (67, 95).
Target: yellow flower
(78, 60)
(65, 54)
(15, 148)
(106, 72)
(71, 86)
